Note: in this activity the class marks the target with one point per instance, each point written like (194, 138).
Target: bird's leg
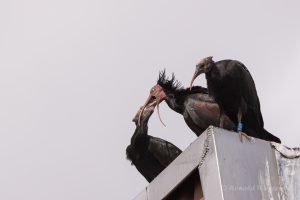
(240, 127)
(222, 118)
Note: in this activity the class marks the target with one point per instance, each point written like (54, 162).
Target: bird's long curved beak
(144, 106)
(192, 81)
(158, 102)
(148, 110)
(196, 74)
(157, 99)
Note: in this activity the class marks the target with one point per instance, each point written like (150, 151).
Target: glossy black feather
(198, 109)
(150, 155)
(233, 88)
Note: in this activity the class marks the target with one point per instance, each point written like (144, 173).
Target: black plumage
(198, 109)
(232, 87)
(150, 155)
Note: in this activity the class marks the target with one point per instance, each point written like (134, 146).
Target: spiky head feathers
(169, 84)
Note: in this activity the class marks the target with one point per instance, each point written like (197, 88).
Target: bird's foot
(241, 134)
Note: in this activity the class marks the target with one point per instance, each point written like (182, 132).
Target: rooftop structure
(218, 166)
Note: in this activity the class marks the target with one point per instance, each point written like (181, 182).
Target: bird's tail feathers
(271, 137)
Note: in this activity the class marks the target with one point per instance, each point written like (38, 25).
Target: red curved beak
(159, 96)
(158, 100)
(144, 106)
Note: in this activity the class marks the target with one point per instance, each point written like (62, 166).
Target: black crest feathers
(174, 86)
(168, 84)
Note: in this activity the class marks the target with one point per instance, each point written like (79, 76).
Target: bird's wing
(164, 151)
(194, 127)
(202, 113)
(148, 166)
(250, 95)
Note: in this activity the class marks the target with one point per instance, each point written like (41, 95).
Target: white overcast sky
(73, 74)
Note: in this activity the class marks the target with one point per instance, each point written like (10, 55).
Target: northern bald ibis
(232, 86)
(197, 108)
(150, 155)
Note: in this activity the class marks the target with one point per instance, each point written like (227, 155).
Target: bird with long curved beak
(231, 85)
(150, 155)
(203, 66)
(157, 95)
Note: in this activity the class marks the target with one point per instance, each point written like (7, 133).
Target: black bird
(198, 109)
(232, 87)
(150, 155)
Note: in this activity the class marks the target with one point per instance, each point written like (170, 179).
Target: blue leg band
(239, 127)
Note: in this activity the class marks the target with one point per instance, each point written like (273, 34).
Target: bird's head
(160, 91)
(203, 66)
(144, 113)
(156, 96)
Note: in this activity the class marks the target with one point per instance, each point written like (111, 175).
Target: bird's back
(250, 95)
(232, 86)
(202, 111)
(164, 151)
(148, 165)
(151, 155)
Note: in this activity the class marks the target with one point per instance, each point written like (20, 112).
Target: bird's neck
(213, 73)
(176, 98)
(140, 133)
(138, 144)
(176, 102)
